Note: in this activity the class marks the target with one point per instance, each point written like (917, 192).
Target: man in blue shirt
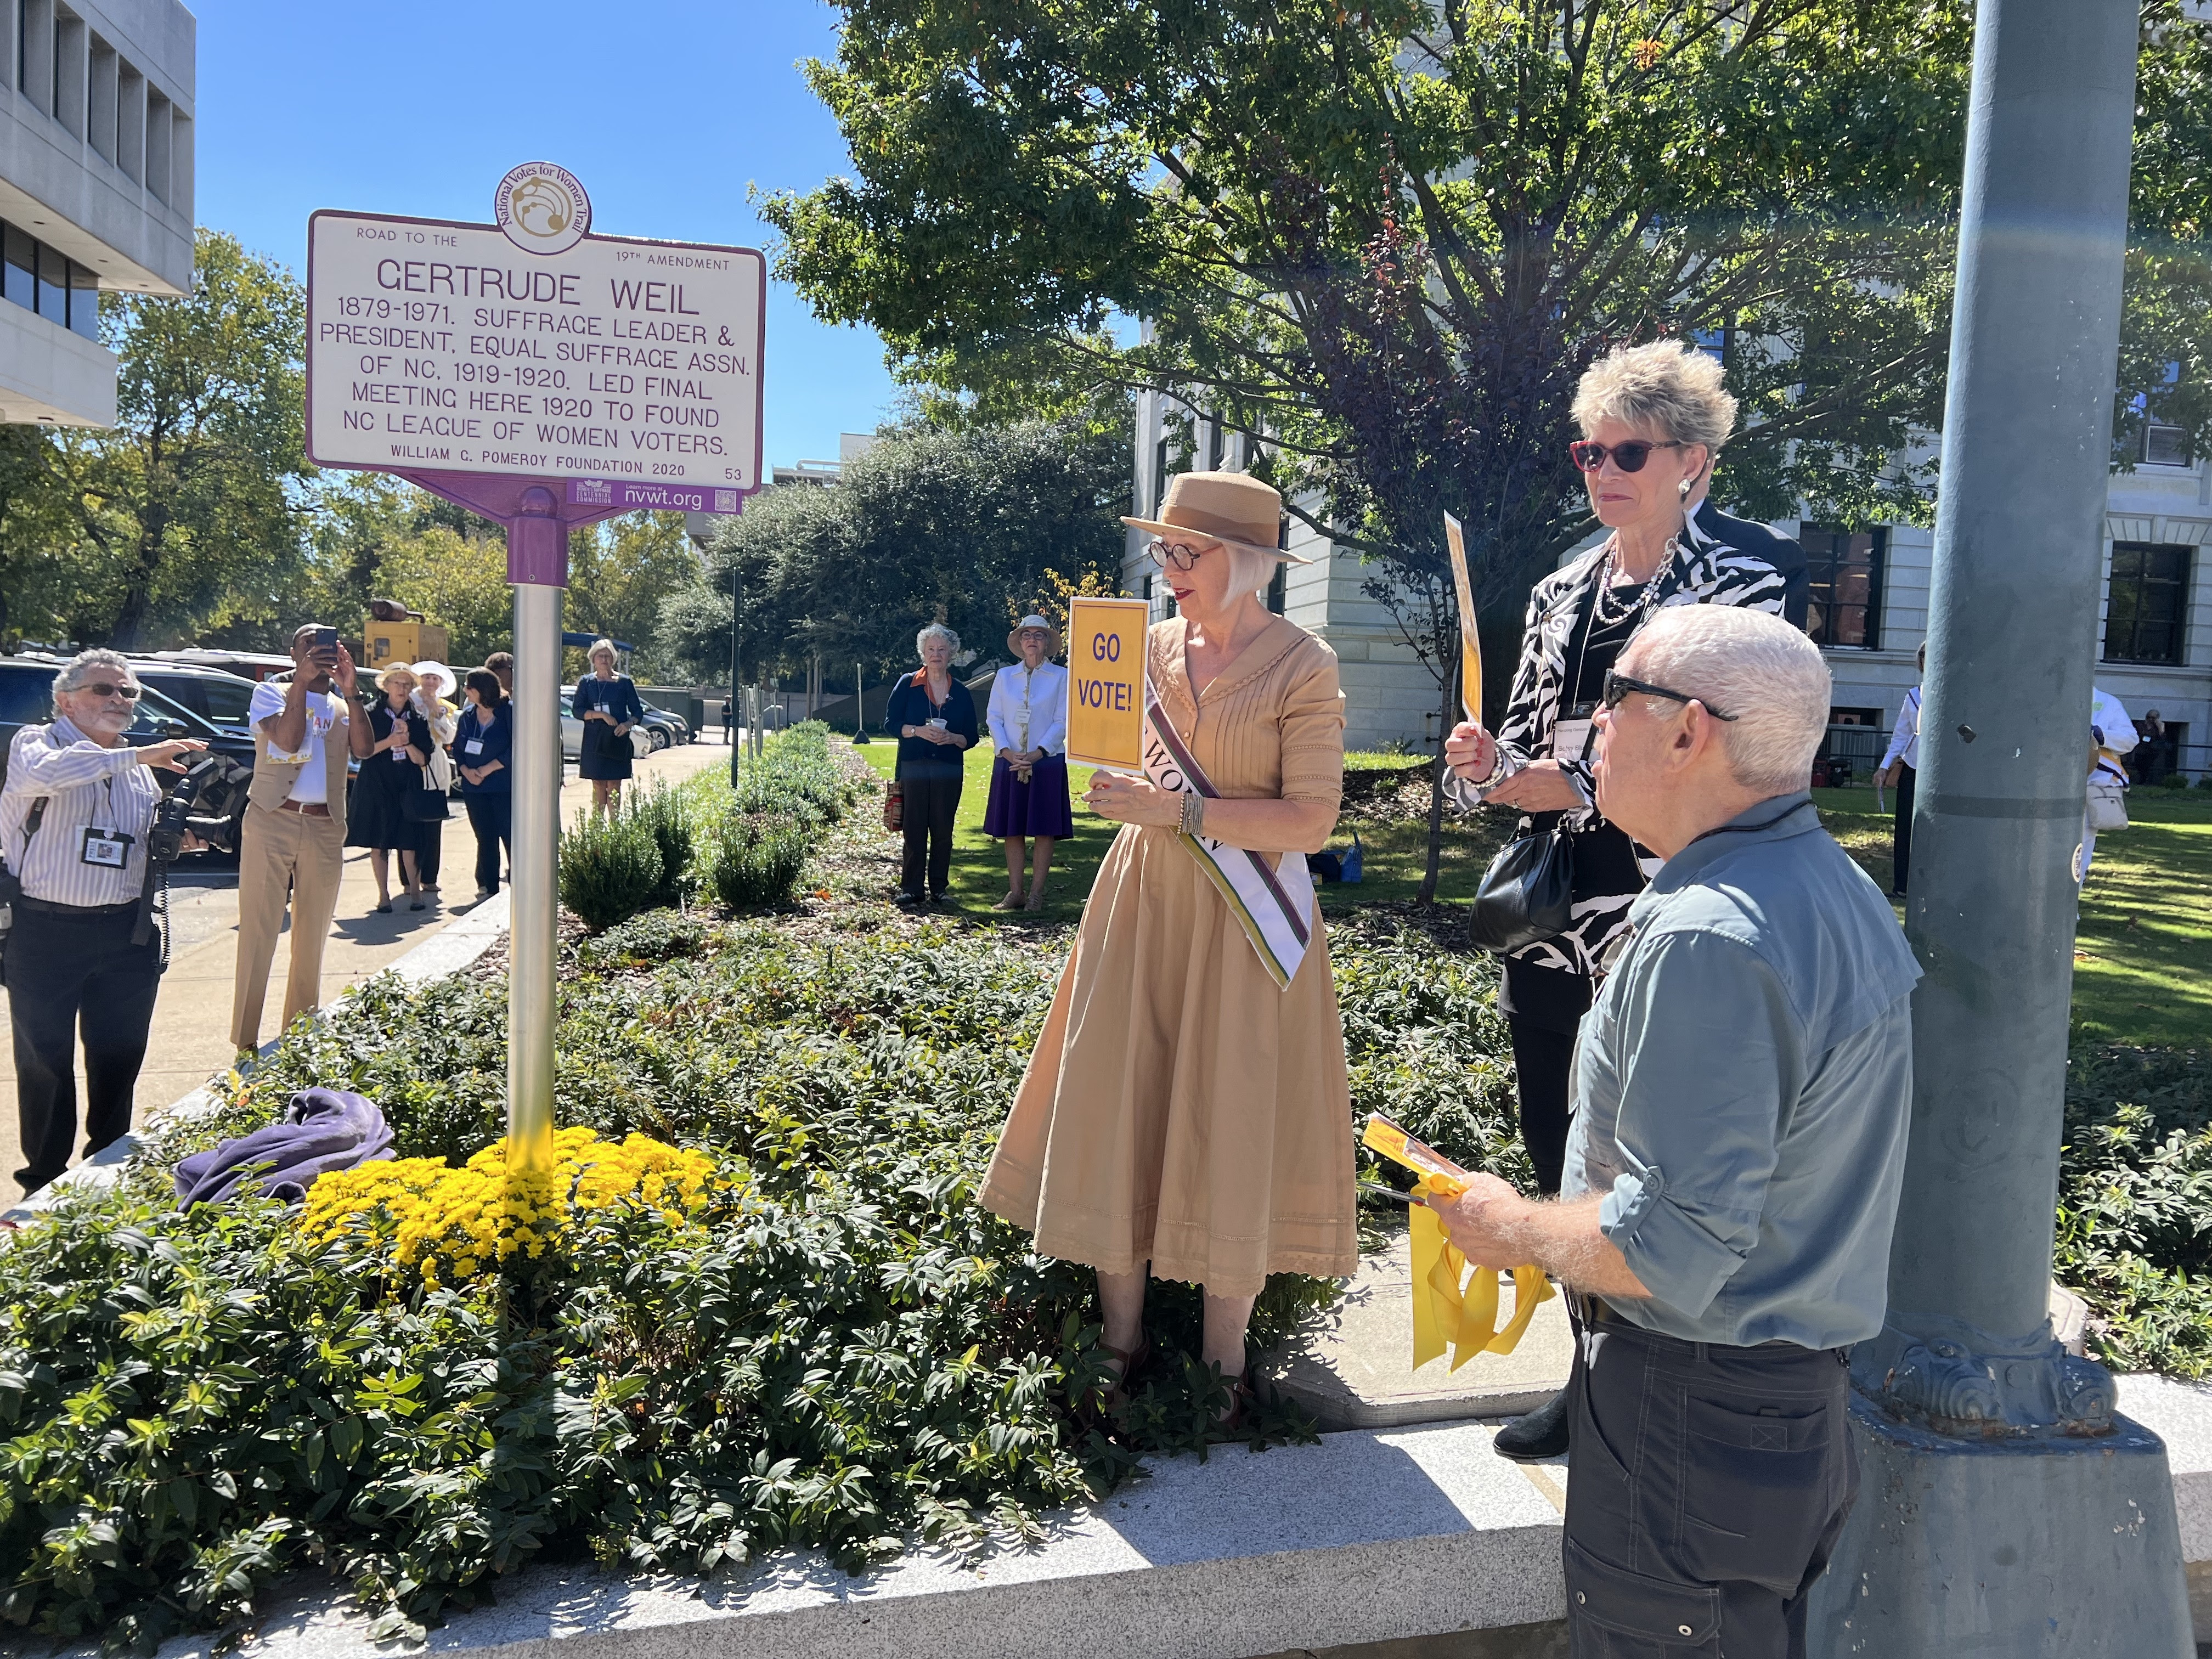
(1742, 1086)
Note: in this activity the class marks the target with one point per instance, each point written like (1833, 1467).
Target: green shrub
(2134, 1203)
(757, 861)
(666, 815)
(610, 868)
(848, 1352)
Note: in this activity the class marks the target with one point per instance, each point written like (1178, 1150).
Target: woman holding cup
(1028, 720)
(935, 720)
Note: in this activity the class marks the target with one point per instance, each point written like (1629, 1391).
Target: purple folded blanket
(323, 1129)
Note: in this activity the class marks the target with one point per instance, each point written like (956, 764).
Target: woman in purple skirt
(1028, 718)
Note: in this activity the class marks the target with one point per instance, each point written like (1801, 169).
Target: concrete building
(1869, 603)
(95, 190)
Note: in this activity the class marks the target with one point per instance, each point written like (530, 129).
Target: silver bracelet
(1194, 812)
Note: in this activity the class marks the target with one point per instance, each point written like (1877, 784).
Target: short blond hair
(402, 671)
(1668, 387)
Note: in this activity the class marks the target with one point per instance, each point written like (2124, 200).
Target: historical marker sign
(605, 361)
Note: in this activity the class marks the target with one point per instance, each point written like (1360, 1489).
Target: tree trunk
(1436, 778)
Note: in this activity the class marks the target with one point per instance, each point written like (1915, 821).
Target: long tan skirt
(1179, 1108)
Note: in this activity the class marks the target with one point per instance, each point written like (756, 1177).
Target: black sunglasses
(1620, 686)
(1628, 456)
(128, 693)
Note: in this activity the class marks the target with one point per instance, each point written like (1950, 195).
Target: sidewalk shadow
(374, 930)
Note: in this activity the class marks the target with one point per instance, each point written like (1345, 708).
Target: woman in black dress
(1653, 418)
(392, 772)
(608, 704)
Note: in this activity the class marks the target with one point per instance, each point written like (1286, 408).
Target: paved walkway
(190, 1039)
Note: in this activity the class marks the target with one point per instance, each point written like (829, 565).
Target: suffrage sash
(1276, 916)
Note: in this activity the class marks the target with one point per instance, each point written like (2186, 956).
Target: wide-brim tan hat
(1051, 636)
(1226, 507)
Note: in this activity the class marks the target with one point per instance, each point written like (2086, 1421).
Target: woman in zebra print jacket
(1654, 417)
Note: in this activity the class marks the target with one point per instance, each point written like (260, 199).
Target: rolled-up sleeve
(1710, 1053)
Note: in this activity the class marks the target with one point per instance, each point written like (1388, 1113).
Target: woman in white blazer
(1028, 722)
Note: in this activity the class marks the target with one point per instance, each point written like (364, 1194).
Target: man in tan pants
(293, 842)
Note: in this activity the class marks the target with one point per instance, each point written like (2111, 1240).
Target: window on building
(36, 278)
(1278, 588)
(2145, 603)
(1845, 569)
(1855, 717)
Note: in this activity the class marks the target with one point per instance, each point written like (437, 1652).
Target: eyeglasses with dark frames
(1618, 687)
(1628, 456)
(1177, 556)
(128, 693)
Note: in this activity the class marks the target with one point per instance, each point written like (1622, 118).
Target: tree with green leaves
(964, 524)
(187, 514)
(621, 572)
(1386, 239)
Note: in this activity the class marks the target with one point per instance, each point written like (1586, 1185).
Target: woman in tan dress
(1181, 1115)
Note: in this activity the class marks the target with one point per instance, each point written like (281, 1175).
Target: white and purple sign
(625, 496)
(443, 346)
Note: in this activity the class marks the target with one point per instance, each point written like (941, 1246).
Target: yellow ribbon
(1463, 1316)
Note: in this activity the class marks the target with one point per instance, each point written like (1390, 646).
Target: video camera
(206, 802)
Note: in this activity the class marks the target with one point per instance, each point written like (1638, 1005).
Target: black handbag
(1528, 893)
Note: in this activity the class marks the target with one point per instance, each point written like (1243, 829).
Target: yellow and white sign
(1106, 682)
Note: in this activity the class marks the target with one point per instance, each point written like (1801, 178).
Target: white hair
(952, 639)
(607, 646)
(1754, 666)
(78, 669)
(1250, 569)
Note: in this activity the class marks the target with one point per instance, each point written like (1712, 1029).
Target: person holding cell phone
(1653, 419)
(935, 719)
(291, 847)
(73, 818)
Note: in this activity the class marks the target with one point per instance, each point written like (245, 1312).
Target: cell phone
(326, 639)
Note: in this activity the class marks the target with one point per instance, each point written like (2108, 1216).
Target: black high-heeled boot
(1541, 1434)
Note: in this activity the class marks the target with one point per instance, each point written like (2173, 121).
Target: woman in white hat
(1028, 720)
(1186, 1114)
(434, 683)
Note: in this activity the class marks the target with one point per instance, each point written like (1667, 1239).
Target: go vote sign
(1106, 683)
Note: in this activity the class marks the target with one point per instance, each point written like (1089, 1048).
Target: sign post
(543, 377)
(1106, 683)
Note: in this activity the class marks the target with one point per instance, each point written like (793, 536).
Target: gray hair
(952, 639)
(598, 646)
(78, 669)
(1667, 386)
(1754, 666)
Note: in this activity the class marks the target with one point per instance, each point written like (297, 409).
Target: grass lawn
(1392, 851)
(2142, 956)
(2142, 964)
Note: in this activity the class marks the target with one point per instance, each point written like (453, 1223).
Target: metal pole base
(2054, 1547)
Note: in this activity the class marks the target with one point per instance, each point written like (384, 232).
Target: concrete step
(1352, 1368)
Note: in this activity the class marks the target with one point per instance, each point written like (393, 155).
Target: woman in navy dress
(1028, 718)
(608, 704)
(376, 816)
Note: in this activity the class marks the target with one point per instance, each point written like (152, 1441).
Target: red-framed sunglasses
(1628, 456)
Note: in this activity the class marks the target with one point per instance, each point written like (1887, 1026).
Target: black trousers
(1900, 834)
(927, 809)
(1708, 1486)
(430, 853)
(492, 817)
(64, 971)
(1542, 1059)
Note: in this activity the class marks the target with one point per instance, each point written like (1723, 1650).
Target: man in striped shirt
(73, 818)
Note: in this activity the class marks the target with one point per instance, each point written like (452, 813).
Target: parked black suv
(27, 685)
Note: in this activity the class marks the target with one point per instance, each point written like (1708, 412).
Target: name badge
(106, 848)
(473, 746)
(1570, 739)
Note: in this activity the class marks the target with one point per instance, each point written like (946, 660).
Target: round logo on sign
(542, 207)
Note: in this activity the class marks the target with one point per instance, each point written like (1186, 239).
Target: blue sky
(667, 109)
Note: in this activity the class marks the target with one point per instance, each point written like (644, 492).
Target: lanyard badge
(106, 849)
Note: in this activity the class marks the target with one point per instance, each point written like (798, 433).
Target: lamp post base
(2051, 1548)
